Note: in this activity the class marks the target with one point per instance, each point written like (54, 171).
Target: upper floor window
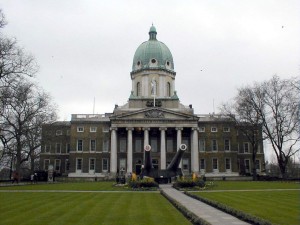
(58, 132)
(47, 148)
(227, 145)
(214, 145)
(246, 147)
(93, 129)
(201, 145)
(79, 145)
(201, 129)
(80, 129)
(58, 148)
(214, 129)
(226, 129)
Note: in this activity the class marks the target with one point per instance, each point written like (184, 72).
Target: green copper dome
(152, 54)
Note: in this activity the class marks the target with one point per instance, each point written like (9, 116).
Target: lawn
(35, 208)
(77, 186)
(276, 206)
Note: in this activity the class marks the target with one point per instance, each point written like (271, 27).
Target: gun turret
(176, 160)
(148, 160)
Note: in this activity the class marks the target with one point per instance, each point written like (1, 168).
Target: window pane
(215, 164)
(93, 145)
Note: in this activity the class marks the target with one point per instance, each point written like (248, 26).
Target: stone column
(146, 139)
(179, 140)
(129, 150)
(113, 150)
(194, 151)
(163, 160)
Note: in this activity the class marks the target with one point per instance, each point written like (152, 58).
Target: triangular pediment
(153, 114)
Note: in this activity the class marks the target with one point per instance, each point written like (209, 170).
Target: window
(201, 145)
(215, 164)
(104, 165)
(185, 164)
(68, 132)
(79, 145)
(57, 165)
(78, 164)
(201, 129)
(67, 164)
(80, 129)
(138, 89)
(153, 143)
(226, 129)
(92, 164)
(48, 148)
(58, 132)
(257, 165)
(58, 148)
(202, 164)
(68, 147)
(247, 165)
(227, 145)
(93, 129)
(168, 89)
(122, 164)
(93, 145)
(227, 164)
(105, 129)
(214, 129)
(214, 145)
(46, 164)
(246, 147)
(123, 144)
(105, 145)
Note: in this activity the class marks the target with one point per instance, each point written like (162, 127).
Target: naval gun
(163, 175)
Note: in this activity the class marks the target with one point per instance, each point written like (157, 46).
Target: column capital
(195, 128)
(163, 128)
(146, 128)
(178, 128)
(129, 128)
(114, 128)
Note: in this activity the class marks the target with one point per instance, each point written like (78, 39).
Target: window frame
(77, 145)
(93, 129)
(46, 160)
(91, 145)
(56, 148)
(225, 129)
(107, 164)
(229, 145)
(212, 145)
(80, 129)
(214, 129)
(55, 165)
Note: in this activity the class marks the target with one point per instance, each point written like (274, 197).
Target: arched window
(138, 89)
(168, 89)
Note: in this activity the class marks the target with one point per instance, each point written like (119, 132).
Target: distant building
(101, 145)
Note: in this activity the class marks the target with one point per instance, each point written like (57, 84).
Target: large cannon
(163, 176)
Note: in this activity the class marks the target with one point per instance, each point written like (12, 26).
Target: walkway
(202, 210)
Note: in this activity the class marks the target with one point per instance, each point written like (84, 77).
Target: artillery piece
(163, 176)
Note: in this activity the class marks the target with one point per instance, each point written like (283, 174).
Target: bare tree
(275, 103)
(26, 108)
(246, 119)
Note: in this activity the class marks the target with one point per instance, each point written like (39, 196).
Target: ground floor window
(122, 164)
(104, 165)
(67, 164)
(57, 165)
(247, 165)
(215, 165)
(202, 164)
(92, 164)
(228, 164)
(257, 165)
(46, 164)
(79, 164)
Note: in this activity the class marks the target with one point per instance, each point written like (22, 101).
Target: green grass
(278, 207)
(253, 185)
(80, 186)
(130, 208)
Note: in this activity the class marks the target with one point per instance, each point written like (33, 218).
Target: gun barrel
(148, 160)
(176, 160)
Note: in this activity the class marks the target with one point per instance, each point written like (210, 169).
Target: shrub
(144, 183)
(189, 183)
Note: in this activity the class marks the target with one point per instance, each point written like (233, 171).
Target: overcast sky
(85, 48)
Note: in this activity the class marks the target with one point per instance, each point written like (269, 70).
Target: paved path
(202, 210)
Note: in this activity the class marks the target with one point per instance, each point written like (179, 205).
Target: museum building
(100, 145)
